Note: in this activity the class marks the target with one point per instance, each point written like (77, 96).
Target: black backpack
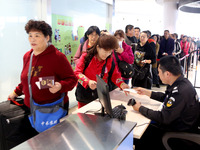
(126, 69)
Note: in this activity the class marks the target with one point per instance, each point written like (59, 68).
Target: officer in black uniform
(180, 110)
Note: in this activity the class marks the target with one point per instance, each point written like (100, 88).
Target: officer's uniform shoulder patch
(170, 102)
(175, 89)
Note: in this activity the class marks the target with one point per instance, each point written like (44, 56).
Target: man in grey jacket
(130, 38)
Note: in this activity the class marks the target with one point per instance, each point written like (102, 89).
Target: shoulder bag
(140, 73)
(44, 116)
(125, 68)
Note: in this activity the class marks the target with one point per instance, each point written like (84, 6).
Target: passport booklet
(43, 81)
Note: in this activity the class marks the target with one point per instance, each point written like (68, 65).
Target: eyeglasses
(93, 35)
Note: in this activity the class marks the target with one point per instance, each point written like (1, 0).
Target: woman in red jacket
(47, 61)
(185, 46)
(91, 64)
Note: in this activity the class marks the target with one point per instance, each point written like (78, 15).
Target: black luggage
(14, 124)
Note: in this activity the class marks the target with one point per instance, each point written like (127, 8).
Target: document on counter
(130, 90)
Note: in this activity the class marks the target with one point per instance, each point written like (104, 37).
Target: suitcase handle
(15, 102)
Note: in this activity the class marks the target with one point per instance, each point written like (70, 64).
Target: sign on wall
(66, 37)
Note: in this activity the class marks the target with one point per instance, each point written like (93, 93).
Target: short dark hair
(156, 36)
(171, 64)
(145, 32)
(120, 33)
(166, 31)
(176, 35)
(42, 26)
(148, 33)
(129, 27)
(137, 28)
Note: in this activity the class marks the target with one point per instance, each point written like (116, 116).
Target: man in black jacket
(180, 110)
(166, 45)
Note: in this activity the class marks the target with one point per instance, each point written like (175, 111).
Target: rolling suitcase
(15, 127)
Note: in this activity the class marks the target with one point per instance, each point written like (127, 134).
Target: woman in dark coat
(144, 56)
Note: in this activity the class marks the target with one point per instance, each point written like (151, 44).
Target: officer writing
(180, 110)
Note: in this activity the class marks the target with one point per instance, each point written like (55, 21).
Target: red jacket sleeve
(116, 77)
(18, 89)
(82, 79)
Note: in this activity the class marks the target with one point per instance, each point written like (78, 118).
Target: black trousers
(155, 76)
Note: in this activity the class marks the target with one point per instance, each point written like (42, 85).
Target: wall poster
(66, 37)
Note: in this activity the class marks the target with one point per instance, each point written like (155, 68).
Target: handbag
(85, 95)
(44, 116)
(125, 68)
(140, 73)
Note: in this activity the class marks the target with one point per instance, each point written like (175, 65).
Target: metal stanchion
(195, 63)
(184, 65)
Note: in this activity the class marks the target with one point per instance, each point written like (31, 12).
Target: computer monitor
(104, 97)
